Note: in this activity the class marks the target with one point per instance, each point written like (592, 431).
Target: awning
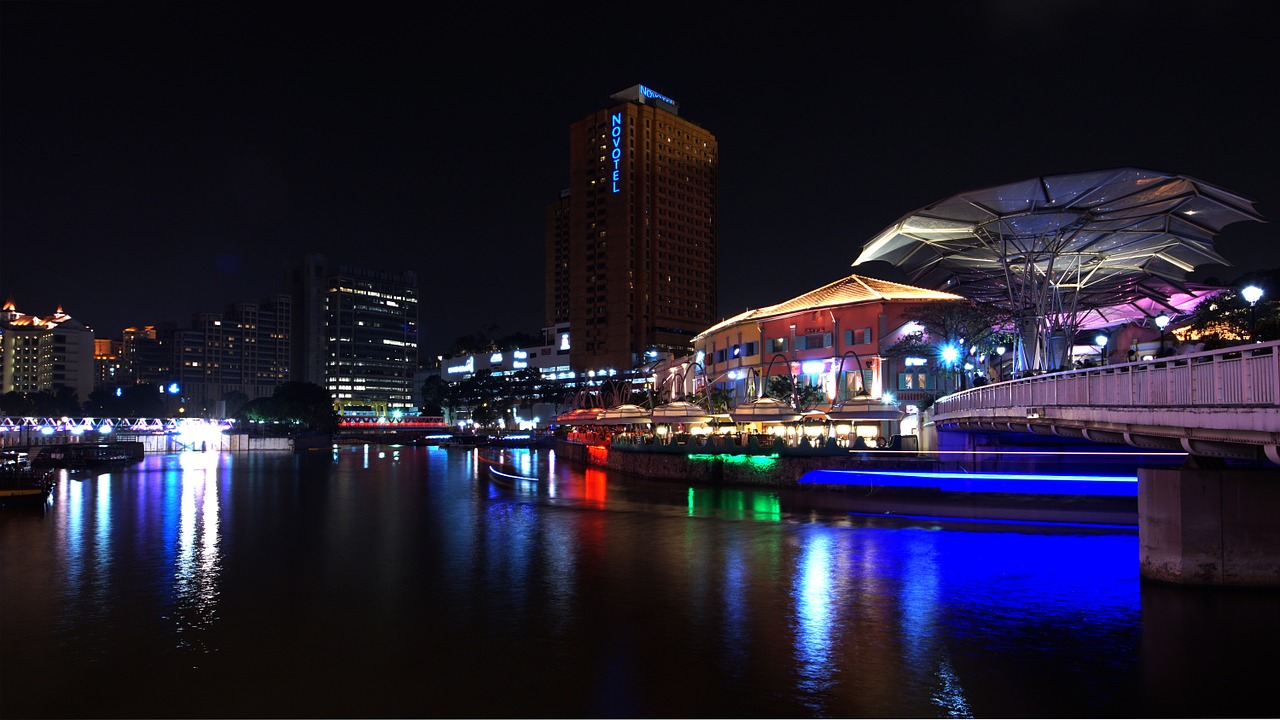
(680, 411)
(765, 409)
(867, 410)
(579, 416)
(623, 415)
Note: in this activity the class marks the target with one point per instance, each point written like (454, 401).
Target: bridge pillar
(1209, 526)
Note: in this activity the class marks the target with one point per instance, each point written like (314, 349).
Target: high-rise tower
(356, 333)
(632, 250)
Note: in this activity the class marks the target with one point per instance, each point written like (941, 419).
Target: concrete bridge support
(1209, 526)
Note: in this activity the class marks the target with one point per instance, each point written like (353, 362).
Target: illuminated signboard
(495, 358)
(615, 131)
(466, 367)
(649, 93)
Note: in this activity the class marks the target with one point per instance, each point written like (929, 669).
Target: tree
(435, 395)
(962, 324)
(1226, 318)
(307, 404)
(300, 405)
(233, 401)
(806, 396)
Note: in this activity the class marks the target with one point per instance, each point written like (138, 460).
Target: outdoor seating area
(845, 429)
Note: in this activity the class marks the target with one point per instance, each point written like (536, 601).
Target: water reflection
(814, 626)
(197, 563)
(393, 582)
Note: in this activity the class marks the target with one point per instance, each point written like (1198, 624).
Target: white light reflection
(813, 591)
(198, 563)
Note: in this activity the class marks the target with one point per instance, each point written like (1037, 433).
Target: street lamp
(1000, 363)
(1162, 322)
(1101, 342)
(1251, 294)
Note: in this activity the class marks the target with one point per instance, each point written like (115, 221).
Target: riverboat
(22, 483)
(81, 456)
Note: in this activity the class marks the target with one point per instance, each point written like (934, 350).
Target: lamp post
(1162, 322)
(949, 357)
(1101, 342)
(1251, 295)
(1000, 362)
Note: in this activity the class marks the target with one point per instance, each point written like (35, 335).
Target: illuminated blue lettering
(616, 132)
(658, 96)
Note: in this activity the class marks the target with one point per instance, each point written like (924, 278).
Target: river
(377, 581)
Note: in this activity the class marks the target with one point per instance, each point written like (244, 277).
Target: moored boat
(21, 483)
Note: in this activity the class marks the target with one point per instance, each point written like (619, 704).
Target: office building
(356, 334)
(632, 243)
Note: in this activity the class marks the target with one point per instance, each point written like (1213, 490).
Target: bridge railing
(1240, 376)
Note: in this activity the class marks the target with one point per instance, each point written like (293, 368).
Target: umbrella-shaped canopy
(863, 408)
(1052, 249)
(765, 409)
(579, 416)
(623, 415)
(1144, 309)
(680, 411)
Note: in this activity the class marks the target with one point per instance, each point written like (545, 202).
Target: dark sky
(159, 159)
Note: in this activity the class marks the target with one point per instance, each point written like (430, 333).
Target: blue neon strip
(1019, 483)
(989, 521)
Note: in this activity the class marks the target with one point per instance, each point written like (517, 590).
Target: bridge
(1215, 404)
(1206, 523)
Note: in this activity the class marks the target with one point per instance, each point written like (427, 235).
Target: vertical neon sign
(616, 133)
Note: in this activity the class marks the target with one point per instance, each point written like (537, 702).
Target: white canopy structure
(625, 414)
(1056, 249)
(765, 409)
(680, 411)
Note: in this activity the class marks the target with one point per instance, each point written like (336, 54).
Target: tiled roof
(845, 291)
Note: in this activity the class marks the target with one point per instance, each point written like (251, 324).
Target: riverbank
(807, 476)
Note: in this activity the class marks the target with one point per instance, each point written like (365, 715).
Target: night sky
(164, 158)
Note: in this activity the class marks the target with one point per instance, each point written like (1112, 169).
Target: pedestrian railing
(1242, 376)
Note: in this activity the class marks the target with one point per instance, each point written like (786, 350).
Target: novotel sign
(649, 93)
(615, 133)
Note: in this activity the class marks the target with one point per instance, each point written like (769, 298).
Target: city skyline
(158, 160)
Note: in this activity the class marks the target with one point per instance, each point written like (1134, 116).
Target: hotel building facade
(42, 353)
(632, 244)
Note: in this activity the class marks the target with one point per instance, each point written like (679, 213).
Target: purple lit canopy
(1066, 252)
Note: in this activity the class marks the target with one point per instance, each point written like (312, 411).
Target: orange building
(831, 337)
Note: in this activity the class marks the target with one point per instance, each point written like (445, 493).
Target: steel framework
(1056, 250)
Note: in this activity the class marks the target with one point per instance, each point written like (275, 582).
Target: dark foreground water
(384, 582)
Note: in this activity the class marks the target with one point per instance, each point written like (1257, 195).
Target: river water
(411, 582)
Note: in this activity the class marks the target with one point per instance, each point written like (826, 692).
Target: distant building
(550, 359)
(632, 244)
(40, 354)
(356, 334)
(244, 349)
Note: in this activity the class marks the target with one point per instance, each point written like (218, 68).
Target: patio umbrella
(864, 408)
(1052, 249)
(623, 415)
(765, 409)
(579, 416)
(680, 411)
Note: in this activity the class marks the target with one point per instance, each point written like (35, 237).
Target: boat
(87, 455)
(23, 483)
